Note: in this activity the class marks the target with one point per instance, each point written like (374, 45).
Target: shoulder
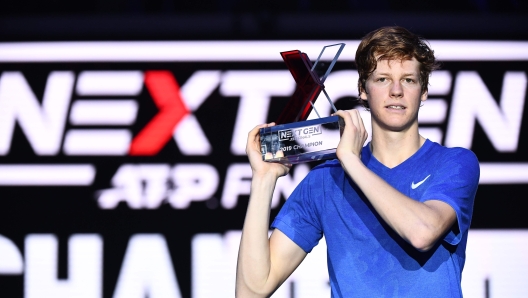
(456, 159)
(454, 154)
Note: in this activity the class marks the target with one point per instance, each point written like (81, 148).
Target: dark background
(237, 19)
(67, 20)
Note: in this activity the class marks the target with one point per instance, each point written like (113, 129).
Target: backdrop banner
(123, 171)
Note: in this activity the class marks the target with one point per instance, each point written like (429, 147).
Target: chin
(396, 126)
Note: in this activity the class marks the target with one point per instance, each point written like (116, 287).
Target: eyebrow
(407, 74)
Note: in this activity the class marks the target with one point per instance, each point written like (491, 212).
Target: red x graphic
(165, 92)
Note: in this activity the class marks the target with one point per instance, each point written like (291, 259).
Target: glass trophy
(294, 139)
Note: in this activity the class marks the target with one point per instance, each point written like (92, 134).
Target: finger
(355, 117)
(253, 140)
(358, 121)
(254, 134)
(256, 129)
(362, 125)
(287, 167)
(350, 124)
(345, 116)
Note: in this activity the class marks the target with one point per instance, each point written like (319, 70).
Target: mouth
(395, 107)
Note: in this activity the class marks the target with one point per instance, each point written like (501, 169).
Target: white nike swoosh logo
(413, 185)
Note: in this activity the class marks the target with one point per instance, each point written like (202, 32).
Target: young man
(395, 213)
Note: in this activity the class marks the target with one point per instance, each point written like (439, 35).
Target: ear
(363, 92)
(424, 96)
(363, 95)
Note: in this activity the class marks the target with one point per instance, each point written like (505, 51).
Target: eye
(409, 80)
(381, 80)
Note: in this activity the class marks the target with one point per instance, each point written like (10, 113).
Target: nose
(396, 89)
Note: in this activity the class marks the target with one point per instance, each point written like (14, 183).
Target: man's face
(394, 95)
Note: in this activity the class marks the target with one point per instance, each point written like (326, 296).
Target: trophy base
(300, 142)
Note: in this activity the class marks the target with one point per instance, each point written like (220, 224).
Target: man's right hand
(258, 166)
